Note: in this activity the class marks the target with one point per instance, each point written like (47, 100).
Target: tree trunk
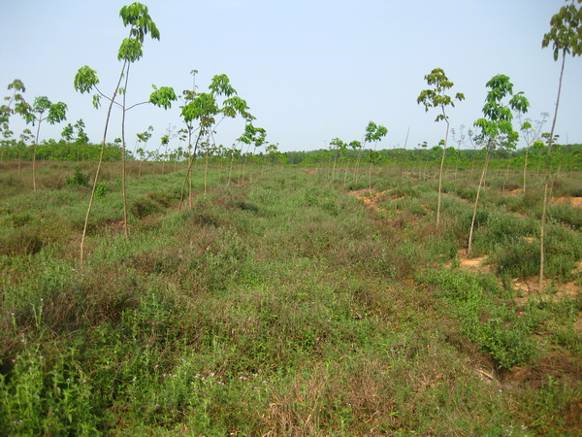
(525, 169)
(189, 174)
(438, 215)
(346, 173)
(205, 172)
(34, 155)
(481, 184)
(82, 245)
(123, 171)
(230, 168)
(357, 167)
(548, 178)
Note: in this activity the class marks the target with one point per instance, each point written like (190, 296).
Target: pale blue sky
(310, 70)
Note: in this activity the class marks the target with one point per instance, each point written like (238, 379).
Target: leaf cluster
(375, 132)
(137, 17)
(12, 102)
(565, 34)
(436, 95)
(501, 102)
(253, 135)
(163, 97)
(339, 145)
(75, 133)
(144, 137)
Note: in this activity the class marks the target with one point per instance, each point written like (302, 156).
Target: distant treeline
(566, 156)
(59, 151)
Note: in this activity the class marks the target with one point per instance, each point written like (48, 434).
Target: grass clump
(494, 326)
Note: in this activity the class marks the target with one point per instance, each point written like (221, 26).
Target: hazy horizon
(309, 70)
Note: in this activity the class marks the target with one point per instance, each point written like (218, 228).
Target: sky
(310, 70)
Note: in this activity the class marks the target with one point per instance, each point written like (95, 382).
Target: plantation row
(203, 111)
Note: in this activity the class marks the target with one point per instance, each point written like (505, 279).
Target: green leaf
(163, 97)
(85, 79)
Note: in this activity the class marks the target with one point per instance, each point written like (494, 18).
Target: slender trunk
(230, 168)
(333, 169)
(553, 179)
(189, 174)
(205, 172)
(481, 184)
(164, 157)
(34, 155)
(346, 173)
(243, 164)
(188, 178)
(438, 215)
(95, 180)
(123, 171)
(525, 169)
(357, 166)
(548, 178)
(505, 174)
(457, 164)
(542, 235)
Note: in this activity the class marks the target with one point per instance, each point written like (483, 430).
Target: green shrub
(566, 214)
(143, 207)
(101, 190)
(491, 324)
(54, 402)
(518, 260)
(78, 178)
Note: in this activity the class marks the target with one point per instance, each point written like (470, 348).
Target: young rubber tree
(272, 150)
(13, 104)
(164, 141)
(436, 97)
(203, 108)
(374, 134)
(232, 153)
(142, 141)
(459, 138)
(356, 147)
(338, 147)
(496, 127)
(68, 133)
(565, 38)
(206, 148)
(531, 132)
(135, 17)
(42, 109)
(252, 136)
(26, 137)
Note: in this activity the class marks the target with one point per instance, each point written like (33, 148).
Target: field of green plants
(189, 288)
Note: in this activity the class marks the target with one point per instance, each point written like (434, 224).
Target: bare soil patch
(574, 201)
(370, 198)
(529, 289)
(474, 264)
(557, 364)
(515, 192)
